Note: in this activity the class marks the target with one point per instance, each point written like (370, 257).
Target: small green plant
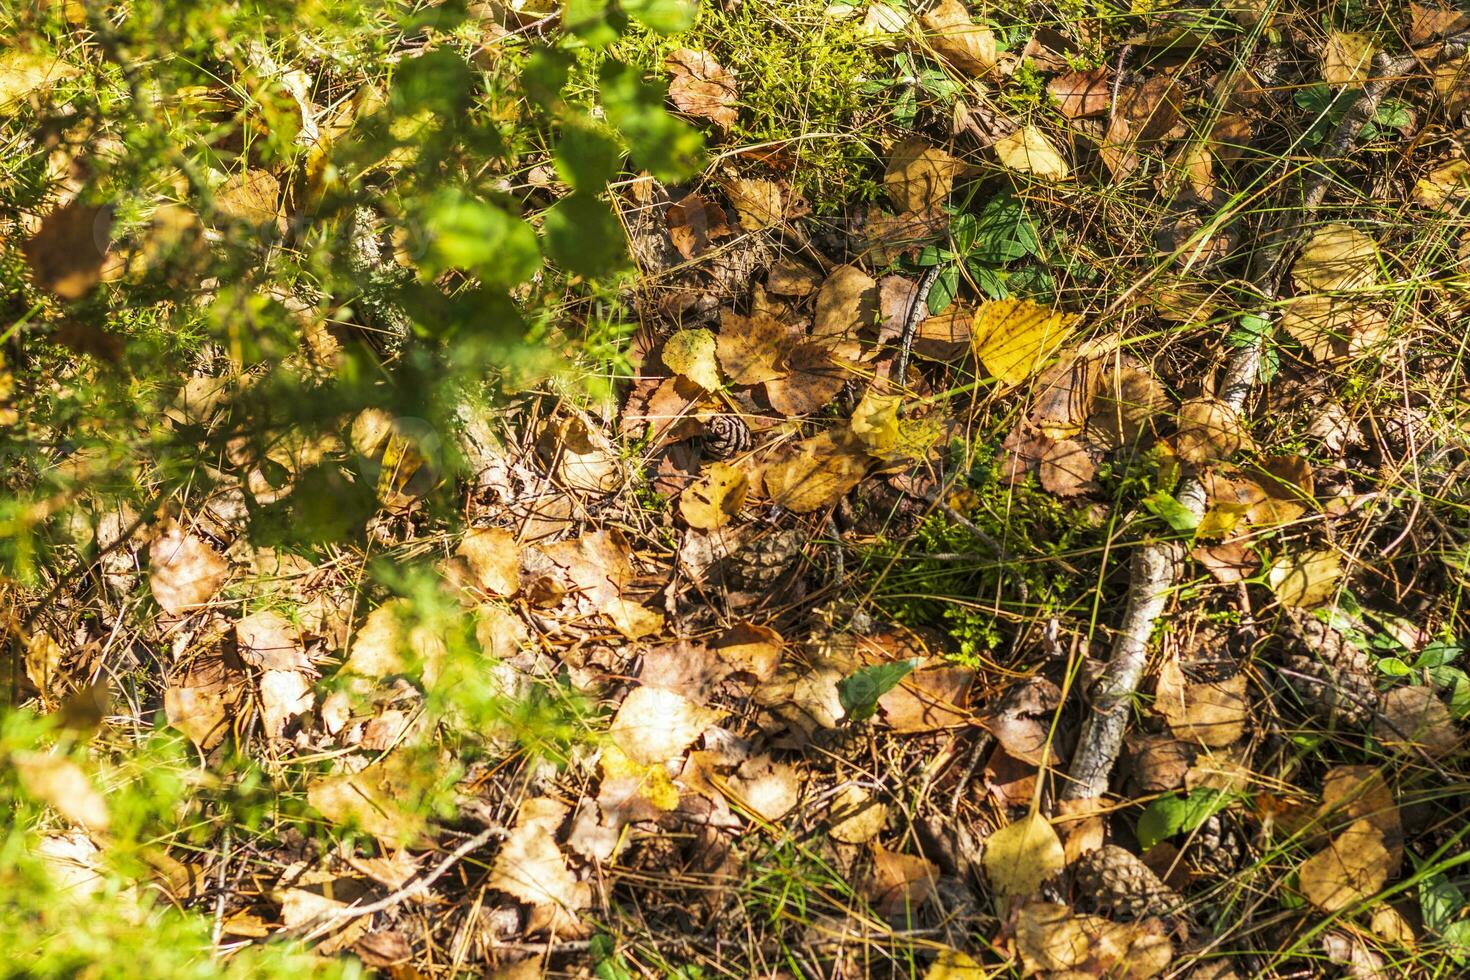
(1328, 107)
(982, 247)
(911, 88)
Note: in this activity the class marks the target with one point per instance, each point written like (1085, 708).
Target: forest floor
(1009, 519)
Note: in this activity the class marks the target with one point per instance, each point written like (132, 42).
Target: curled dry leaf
(1028, 150)
(1413, 719)
(694, 222)
(692, 354)
(67, 253)
(1053, 941)
(875, 422)
(855, 817)
(900, 882)
(1022, 855)
(494, 559)
(184, 571)
(1145, 113)
(1305, 580)
(1212, 713)
(1082, 93)
(920, 176)
(268, 640)
(654, 725)
(200, 701)
(1337, 258)
(1208, 431)
(820, 471)
(950, 31)
(1013, 338)
(752, 349)
(1434, 19)
(531, 868)
(1351, 869)
(586, 460)
(813, 378)
(1127, 401)
(715, 499)
(846, 303)
(702, 87)
(760, 203)
(1347, 58)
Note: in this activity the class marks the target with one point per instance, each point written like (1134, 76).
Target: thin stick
(1155, 565)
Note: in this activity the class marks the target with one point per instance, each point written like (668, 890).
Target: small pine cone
(764, 562)
(1330, 676)
(727, 436)
(1216, 847)
(1113, 882)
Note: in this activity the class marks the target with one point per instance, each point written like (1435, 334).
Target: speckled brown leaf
(1082, 93)
(67, 253)
(920, 176)
(184, 571)
(702, 87)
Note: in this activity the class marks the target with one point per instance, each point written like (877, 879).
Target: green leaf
(587, 155)
(1170, 511)
(860, 692)
(669, 148)
(990, 282)
(945, 288)
(1458, 684)
(962, 231)
(545, 75)
(465, 232)
(587, 21)
(1392, 114)
(439, 81)
(1174, 814)
(662, 16)
(1440, 901)
(1440, 653)
(1393, 667)
(1004, 232)
(1457, 935)
(583, 236)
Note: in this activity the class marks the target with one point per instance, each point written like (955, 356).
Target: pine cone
(764, 562)
(727, 436)
(1331, 677)
(1216, 847)
(1113, 882)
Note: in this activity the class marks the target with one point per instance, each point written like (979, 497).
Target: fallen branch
(1156, 564)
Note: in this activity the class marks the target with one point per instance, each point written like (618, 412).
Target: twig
(1155, 564)
(913, 318)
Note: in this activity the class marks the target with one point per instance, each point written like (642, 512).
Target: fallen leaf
(653, 725)
(715, 498)
(759, 202)
(24, 72)
(599, 564)
(184, 571)
(928, 699)
(1432, 20)
(531, 868)
(820, 471)
(1390, 925)
(1305, 580)
(813, 379)
(1413, 719)
(945, 337)
(1229, 562)
(1051, 940)
(855, 817)
(1022, 855)
(252, 197)
(1336, 258)
(750, 648)
(968, 47)
(199, 701)
(692, 353)
(58, 781)
(1014, 337)
(752, 349)
(1021, 720)
(1452, 84)
(1145, 112)
(920, 176)
(1352, 793)
(1211, 713)
(1333, 327)
(951, 964)
(1346, 58)
(693, 222)
(1352, 868)
(284, 696)
(666, 411)
(901, 882)
(702, 87)
(585, 458)
(67, 253)
(72, 862)
(1082, 93)
(1208, 430)
(1128, 398)
(495, 559)
(846, 303)
(875, 422)
(387, 799)
(767, 788)
(1447, 182)
(792, 277)
(1028, 150)
(391, 642)
(1230, 137)
(270, 641)
(889, 237)
(1066, 468)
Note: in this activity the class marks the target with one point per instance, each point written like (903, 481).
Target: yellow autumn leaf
(1349, 870)
(951, 964)
(1208, 431)
(1336, 257)
(715, 498)
(1331, 327)
(23, 71)
(692, 353)
(1346, 58)
(1030, 151)
(1449, 181)
(822, 469)
(1014, 337)
(1306, 580)
(875, 422)
(1019, 857)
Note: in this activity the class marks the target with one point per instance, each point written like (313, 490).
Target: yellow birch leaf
(715, 498)
(1014, 337)
(1030, 151)
(1019, 857)
(692, 353)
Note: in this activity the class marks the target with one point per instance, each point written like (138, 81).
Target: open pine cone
(1112, 882)
(1331, 676)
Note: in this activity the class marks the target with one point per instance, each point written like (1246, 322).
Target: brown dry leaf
(813, 379)
(1208, 431)
(1052, 941)
(495, 559)
(792, 277)
(1211, 714)
(752, 349)
(531, 868)
(715, 499)
(1347, 58)
(855, 817)
(1160, 762)
(751, 649)
(1064, 396)
(1022, 855)
(685, 667)
(1028, 150)
(759, 202)
(385, 799)
(284, 696)
(1413, 719)
(968, 47)
(1434, 19)
(1013, 338)
(927, 700)
(1447, 182)
(702, 87)
(1146, 112)
(1452, 84)
(920, 176)
(900, 882)
(252, 197)
(1352, 868)
(200, 701)
(1352, 793)
(1229, 562)
(1190, 171)
(67, 253)
(846, 303)
(945, 337)
(693, 222)
(23, 72)
(600, 564)
(1230, 137)
(1128, 398)
(1021, 721)
(1390, 925)
(270, 641)
(586, 459)
(767, 788)
(889, 237)
(184, 571)
(692, 353)
(1286, 489)
(820, 471)
(58, 781)
(1066, 468)
(390, 642)
(1336, 258)
(654, 725)
(664, 410)
(1333, 327)
(1082, 93)
(1305, 580)
(303, 907)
